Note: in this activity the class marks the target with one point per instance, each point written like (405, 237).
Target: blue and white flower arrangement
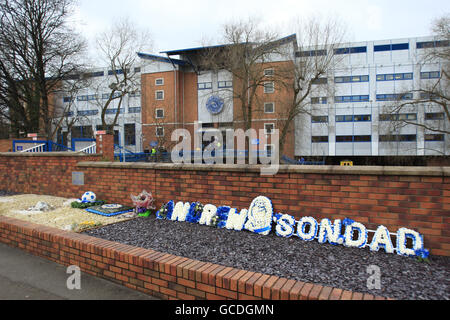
(236, 220)
(417, 242)
(382, 239)
(166, 211)
(301, 228)
(261, 219)
(285, 225)
(352, 227)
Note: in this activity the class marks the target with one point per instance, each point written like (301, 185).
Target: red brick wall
(412, 197)
(161, 275)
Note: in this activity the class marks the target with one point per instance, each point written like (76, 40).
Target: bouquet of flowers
(143, 203)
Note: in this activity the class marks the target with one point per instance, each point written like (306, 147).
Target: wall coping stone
(355, 170)
(48, 154)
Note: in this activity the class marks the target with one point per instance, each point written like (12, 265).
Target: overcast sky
(184, 24)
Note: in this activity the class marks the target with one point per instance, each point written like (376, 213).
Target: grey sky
(189, 23)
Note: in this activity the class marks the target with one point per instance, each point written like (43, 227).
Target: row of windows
(95, 112)
(363, 49)
(391, 47)
(394, 76)
(382, 138)
(351, 79)
(104, 96)
(382, 117)
(380, 77)
(394, 96)
(208, 85)
(432, 44)
(342, 99)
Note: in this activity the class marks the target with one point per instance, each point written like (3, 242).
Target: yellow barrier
(347, 163)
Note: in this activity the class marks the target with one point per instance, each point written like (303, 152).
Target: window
(342, 99)
(353, 138)
(348, 79)
(434, 116)
(362, 138)
(395, 76)
(269, 149)
(393, 47)
(92, 97)
(204, 85)
(269, 87)
(320, 81)
(87, 112)
(135, 94)
(400, 138)
(137, 70)
(159, 113)
(319, 119)
(434, 137)
(268, 128)
(68, 114)
(114, 111)
(269, 107)
(68, 99)
(82, 132)
(344, 138)
(160, 131)
(319, 139)
(397, 117)
(269, 72)
(433, 44)
(225, 84)
(394, 97)
(134, 110)
(130, 134)
(82, 98)
(344, 118)
(159, 82)
(430, 75)
(313, 53)
(359, 118)
(159, 95)
(350, 50)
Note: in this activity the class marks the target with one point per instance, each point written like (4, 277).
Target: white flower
(209, 211)
(180, 211)
(417, 239)
(362, 235)
(301, 228)
(260, 216)
(382, 239)
(236, 220)
(285, 226)
(332, 233)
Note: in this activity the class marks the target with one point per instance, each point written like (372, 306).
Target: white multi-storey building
(355, 112)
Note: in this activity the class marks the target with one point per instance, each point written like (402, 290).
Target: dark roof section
(161, 59)
(290, 38)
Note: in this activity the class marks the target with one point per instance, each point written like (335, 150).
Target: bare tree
(247, 51)
(434, 91)
(309, 78)
(38, 51)
(118, 47)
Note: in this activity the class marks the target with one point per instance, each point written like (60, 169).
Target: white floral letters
(260, 217)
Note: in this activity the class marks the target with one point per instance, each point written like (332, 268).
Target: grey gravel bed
(401, 277)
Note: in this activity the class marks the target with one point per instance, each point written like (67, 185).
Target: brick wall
(161, 275)
(413, 197)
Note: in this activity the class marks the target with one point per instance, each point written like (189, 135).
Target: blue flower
(422, 253)
(347, 222)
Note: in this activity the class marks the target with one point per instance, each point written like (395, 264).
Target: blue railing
(302, 161)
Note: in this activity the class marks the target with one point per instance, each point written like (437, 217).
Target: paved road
(27, 277)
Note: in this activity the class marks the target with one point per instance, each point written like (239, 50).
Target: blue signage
(215, 105)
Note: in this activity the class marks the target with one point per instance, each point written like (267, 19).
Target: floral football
(88, 196)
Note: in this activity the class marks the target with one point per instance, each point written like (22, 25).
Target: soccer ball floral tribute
(260, 218)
